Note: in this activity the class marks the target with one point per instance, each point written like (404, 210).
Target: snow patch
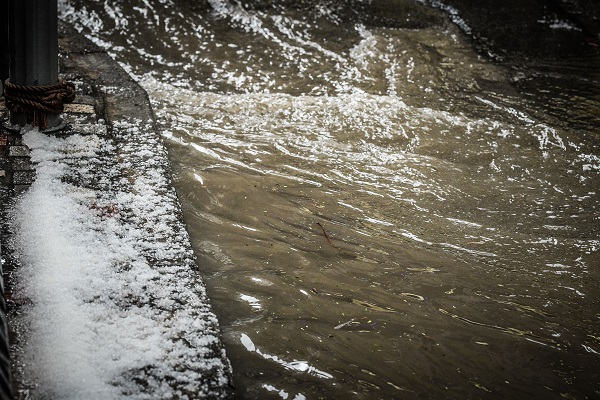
(117, 309)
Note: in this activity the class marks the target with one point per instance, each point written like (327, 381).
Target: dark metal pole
(4, 49)
(33, 38)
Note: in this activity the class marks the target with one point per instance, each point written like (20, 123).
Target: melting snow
(118, 310)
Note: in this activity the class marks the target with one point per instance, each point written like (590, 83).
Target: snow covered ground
(116, 308)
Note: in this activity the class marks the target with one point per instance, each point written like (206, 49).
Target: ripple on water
(375, 210)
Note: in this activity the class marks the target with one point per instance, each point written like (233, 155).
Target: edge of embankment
(115, 111)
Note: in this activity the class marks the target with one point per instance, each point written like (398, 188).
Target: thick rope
(38, 101)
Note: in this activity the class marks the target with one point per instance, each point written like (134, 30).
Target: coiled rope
(38, 101)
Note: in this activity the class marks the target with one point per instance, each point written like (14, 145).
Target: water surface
(379, 208)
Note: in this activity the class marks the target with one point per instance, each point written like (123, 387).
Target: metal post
(4, 50)
(33, 38)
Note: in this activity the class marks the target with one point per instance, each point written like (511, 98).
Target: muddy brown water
(383, 204)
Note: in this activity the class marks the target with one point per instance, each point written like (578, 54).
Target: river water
(383, 203)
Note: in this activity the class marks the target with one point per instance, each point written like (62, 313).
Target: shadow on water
(388, 199)
(551, 48)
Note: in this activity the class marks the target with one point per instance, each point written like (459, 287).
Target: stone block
(21, 164)
(18, 189)
(18, 151)
(90, 129)
(23, 177)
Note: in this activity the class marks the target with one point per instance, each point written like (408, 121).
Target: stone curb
(107, 102)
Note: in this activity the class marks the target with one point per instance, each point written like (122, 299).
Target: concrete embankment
(105, 299)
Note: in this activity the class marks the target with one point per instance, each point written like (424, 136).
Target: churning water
(376, 209)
